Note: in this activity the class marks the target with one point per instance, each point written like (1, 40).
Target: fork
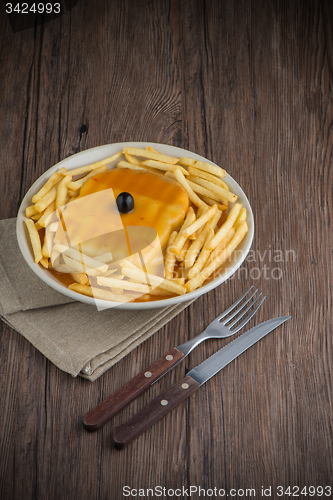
(220, 327)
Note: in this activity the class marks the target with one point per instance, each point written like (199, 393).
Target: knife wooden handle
(99, 415)
(153, 411)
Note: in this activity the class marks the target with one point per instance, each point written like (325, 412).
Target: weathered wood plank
(248, 85)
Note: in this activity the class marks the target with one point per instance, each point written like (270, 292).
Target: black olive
(125, 203)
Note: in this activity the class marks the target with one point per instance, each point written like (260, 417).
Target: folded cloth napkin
(75, 336)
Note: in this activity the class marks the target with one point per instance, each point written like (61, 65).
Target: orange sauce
(159, 202)
(64, 278)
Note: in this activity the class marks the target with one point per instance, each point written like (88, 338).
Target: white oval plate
(93, 155)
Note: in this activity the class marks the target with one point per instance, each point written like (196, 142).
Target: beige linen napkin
(76, 337)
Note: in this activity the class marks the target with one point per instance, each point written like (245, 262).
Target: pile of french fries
(207, 238)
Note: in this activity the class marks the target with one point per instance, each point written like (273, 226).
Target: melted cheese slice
(94, 224)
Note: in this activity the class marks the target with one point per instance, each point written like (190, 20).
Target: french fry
(52, 181)
(80, 288)
(122, 284)
(201, 221)
(46, 247)
(131, 159)
(166, 167)
(201, 210)
(48, 211)
(202, 259)
(55, 258)
(62, 191)
(191, 194)
(204, 191)
(220, 234)
(180, 239)
(179, 281)
(182, 253)
(81, 278)
(220, 191)
(149, 148)
(212, 223)
(29, 211)
(212, 202)
(36, 216)
(34, 239)
(42, 204)
(186, 161)
(98, 293)
(160, 291)
(128, 263)
(150, 154)
(195, 248)
(80, 257)
(209, 177)
(170, 258)
(45, 262)
(220, 259)
(241, 217)
(79, 267)
(200, 240)
(155, 291)
(222, 245)
(93, 166)
(76, 185)
(154, 281)
(212, 169)
(126, 164)
(62, 268)
(171, 175)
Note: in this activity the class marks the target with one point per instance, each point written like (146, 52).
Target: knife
(106, 409)
(158, 407)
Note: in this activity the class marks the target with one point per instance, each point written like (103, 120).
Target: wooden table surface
(248, 85)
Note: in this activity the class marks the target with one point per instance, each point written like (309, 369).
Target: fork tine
(245, 320)
(226, 321)
(240, 310)
(227, 311)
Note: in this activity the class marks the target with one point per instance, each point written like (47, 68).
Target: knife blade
(162, 404)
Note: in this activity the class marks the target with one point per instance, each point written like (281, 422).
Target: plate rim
(75, 161)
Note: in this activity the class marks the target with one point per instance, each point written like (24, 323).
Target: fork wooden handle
(153, 411)
(105, 410)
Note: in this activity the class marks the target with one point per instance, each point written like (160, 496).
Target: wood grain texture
(249, 86)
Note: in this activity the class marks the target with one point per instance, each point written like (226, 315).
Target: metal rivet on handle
(185, 386)
(164, 402)
(148, 374)
(169, 357)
